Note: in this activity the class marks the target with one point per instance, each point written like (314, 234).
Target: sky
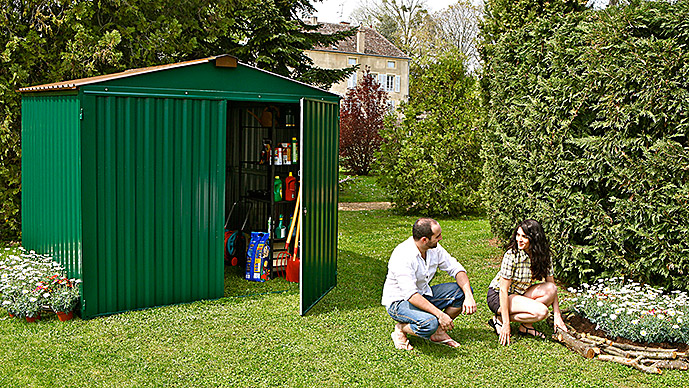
(335, 11)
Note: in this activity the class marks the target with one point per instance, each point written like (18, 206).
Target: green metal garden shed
(127, 178)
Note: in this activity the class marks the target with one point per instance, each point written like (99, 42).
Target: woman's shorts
(493, 299)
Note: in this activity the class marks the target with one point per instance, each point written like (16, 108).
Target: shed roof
(77, 83)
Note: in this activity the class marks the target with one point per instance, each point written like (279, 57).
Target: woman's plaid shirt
(516, 266)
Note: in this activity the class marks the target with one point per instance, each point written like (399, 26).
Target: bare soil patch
(357, 206)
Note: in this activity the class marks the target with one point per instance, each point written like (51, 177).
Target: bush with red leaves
(361, 118)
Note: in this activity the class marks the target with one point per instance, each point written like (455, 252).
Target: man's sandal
(449, 342)
(401, 344)
(530, 331)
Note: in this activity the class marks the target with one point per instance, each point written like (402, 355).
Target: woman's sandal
(530, 331)
(495, 325)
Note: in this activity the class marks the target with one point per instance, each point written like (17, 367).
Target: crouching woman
(516, 293)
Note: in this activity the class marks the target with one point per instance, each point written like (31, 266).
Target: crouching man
(418, 308)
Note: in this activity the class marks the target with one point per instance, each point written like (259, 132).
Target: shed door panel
(319, 182)
(153, 201)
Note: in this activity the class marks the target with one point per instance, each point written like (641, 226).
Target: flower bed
(30, 282)
(637, 312)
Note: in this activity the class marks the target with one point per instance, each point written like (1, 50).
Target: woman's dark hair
(538, 245)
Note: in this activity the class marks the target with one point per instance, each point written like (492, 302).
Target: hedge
(586, 131)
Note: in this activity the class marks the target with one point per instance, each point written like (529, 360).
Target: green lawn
(259, 340)
(361, 189)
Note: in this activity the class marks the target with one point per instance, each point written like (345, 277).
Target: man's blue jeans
(422, 323)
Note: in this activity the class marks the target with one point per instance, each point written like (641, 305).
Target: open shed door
(319, 186)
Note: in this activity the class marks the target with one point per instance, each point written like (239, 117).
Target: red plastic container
(291, 188)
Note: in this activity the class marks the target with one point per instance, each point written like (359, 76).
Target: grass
(361, 189)
(260, 340)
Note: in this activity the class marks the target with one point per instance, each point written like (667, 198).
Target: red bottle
(291, 188)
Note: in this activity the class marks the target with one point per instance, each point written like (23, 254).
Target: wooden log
(583, 349)
(587, 340)
(644, 348)
(599, 339)
(653, 354)
(615, 351)
(634, 363)
(670, 364)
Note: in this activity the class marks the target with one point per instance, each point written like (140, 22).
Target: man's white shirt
(409, 273)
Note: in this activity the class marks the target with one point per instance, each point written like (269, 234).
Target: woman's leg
(532, 306)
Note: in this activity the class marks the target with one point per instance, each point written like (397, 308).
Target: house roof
(375, 43)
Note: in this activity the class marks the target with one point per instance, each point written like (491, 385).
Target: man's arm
(469, 306)
(444, 320)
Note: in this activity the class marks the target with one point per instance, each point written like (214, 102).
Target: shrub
(586, 131)
(429, 162)
(361, 119)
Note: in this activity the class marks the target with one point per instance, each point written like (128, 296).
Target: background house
(369, 49)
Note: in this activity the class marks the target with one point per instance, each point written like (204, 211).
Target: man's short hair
(422, 228)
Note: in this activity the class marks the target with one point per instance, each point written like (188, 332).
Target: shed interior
(263, 142)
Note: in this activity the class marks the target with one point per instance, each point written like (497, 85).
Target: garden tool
(284, 256)
(293, 262)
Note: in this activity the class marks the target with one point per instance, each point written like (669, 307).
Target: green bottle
(280, 231)
(277, 189)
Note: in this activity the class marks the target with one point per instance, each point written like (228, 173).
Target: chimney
(360, 40)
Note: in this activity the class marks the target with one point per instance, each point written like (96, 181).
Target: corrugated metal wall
(154, 181)
(320, 149)
(51, 172)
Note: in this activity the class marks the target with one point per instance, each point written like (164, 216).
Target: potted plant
(64, 299)
(28, 305)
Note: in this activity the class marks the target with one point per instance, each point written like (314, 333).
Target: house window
(351, 82)
(390, 83)
(391, 64)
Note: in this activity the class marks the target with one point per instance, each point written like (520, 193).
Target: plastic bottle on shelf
(290, 188)
(286, 153)
(278, 155)
(277, 189)
(280, 230)
(295, 154)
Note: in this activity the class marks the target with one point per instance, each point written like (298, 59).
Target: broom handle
(294, 218)
(296, 238)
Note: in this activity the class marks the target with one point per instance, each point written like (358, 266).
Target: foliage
(361, 118)
(49, 41)
(455, 28)
(399, 21)
(429, 162)
(587, 131)
(504, 16)
(634, 311)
